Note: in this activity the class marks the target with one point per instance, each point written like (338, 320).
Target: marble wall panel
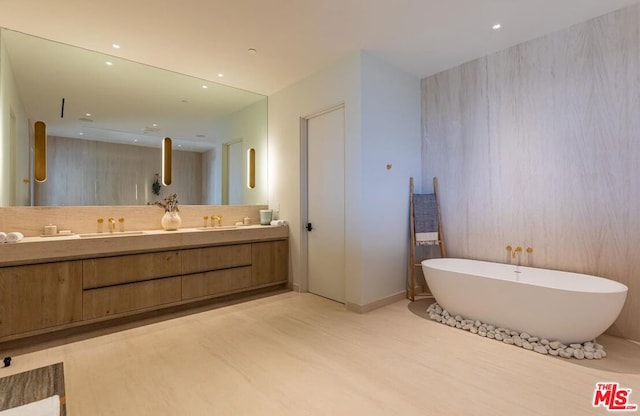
(539, 145)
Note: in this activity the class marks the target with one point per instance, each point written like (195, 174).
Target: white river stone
(589, 350)
(540, 349)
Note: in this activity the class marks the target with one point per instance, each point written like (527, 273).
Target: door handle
(309, 226)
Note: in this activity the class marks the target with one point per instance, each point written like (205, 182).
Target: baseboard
(376, 304)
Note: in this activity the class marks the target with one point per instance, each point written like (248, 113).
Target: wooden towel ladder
(413, 262)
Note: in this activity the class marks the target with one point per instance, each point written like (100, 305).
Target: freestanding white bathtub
(562, 306)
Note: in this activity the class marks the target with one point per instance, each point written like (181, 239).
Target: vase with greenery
(171, 219)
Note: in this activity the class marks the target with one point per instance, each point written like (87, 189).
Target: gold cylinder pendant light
(166, 161)
(251, 168)
(40, 151)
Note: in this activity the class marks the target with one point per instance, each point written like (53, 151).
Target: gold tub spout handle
(516, 251)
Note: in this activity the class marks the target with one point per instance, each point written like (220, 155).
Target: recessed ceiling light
(88, 114)
(115, 46)
(109, 63)
(496, 26)
(135, 140)
(179, 145)
(220, 75)
(205, 87)
(81, 134)
(252, 51)
(155, 125)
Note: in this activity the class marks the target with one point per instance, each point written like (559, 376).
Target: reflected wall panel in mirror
(122, 103)
(84, 172)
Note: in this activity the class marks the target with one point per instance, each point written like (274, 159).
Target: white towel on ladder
(427, 238)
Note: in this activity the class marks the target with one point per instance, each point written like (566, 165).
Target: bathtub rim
(614, 285)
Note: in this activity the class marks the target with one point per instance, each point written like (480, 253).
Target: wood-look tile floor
(299, 354)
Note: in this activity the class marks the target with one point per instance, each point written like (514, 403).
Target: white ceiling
(295, 38)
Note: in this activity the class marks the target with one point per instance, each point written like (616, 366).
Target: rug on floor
(39, 392)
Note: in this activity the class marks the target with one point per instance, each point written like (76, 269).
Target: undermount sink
(218, 228)
(113, 234)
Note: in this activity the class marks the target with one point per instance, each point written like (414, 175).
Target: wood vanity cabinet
(40, 296)
(62, 294)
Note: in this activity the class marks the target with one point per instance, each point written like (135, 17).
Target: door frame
(224, 176)
(304, 193)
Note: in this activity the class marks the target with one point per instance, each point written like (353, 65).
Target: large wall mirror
(106, 118)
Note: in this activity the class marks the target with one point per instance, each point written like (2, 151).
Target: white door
(325, 205)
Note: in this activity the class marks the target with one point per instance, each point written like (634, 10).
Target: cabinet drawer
(131, 268)
(130, 297)
(40, 296)
(213, 258)
(214, 282)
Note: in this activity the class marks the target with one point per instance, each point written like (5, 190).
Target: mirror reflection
(106, 118)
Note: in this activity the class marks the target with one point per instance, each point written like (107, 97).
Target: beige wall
(14, 154)
(539, 145)
(250, 126)
(382, 126)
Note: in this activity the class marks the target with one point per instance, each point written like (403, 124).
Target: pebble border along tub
(560, 312)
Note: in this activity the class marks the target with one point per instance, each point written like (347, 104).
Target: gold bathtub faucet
(112, 225)
(515, 252)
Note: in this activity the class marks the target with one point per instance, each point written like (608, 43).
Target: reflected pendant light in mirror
(251, 168)
(40, 151)
(166, 161)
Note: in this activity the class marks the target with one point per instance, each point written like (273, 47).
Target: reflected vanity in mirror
(106, 118)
